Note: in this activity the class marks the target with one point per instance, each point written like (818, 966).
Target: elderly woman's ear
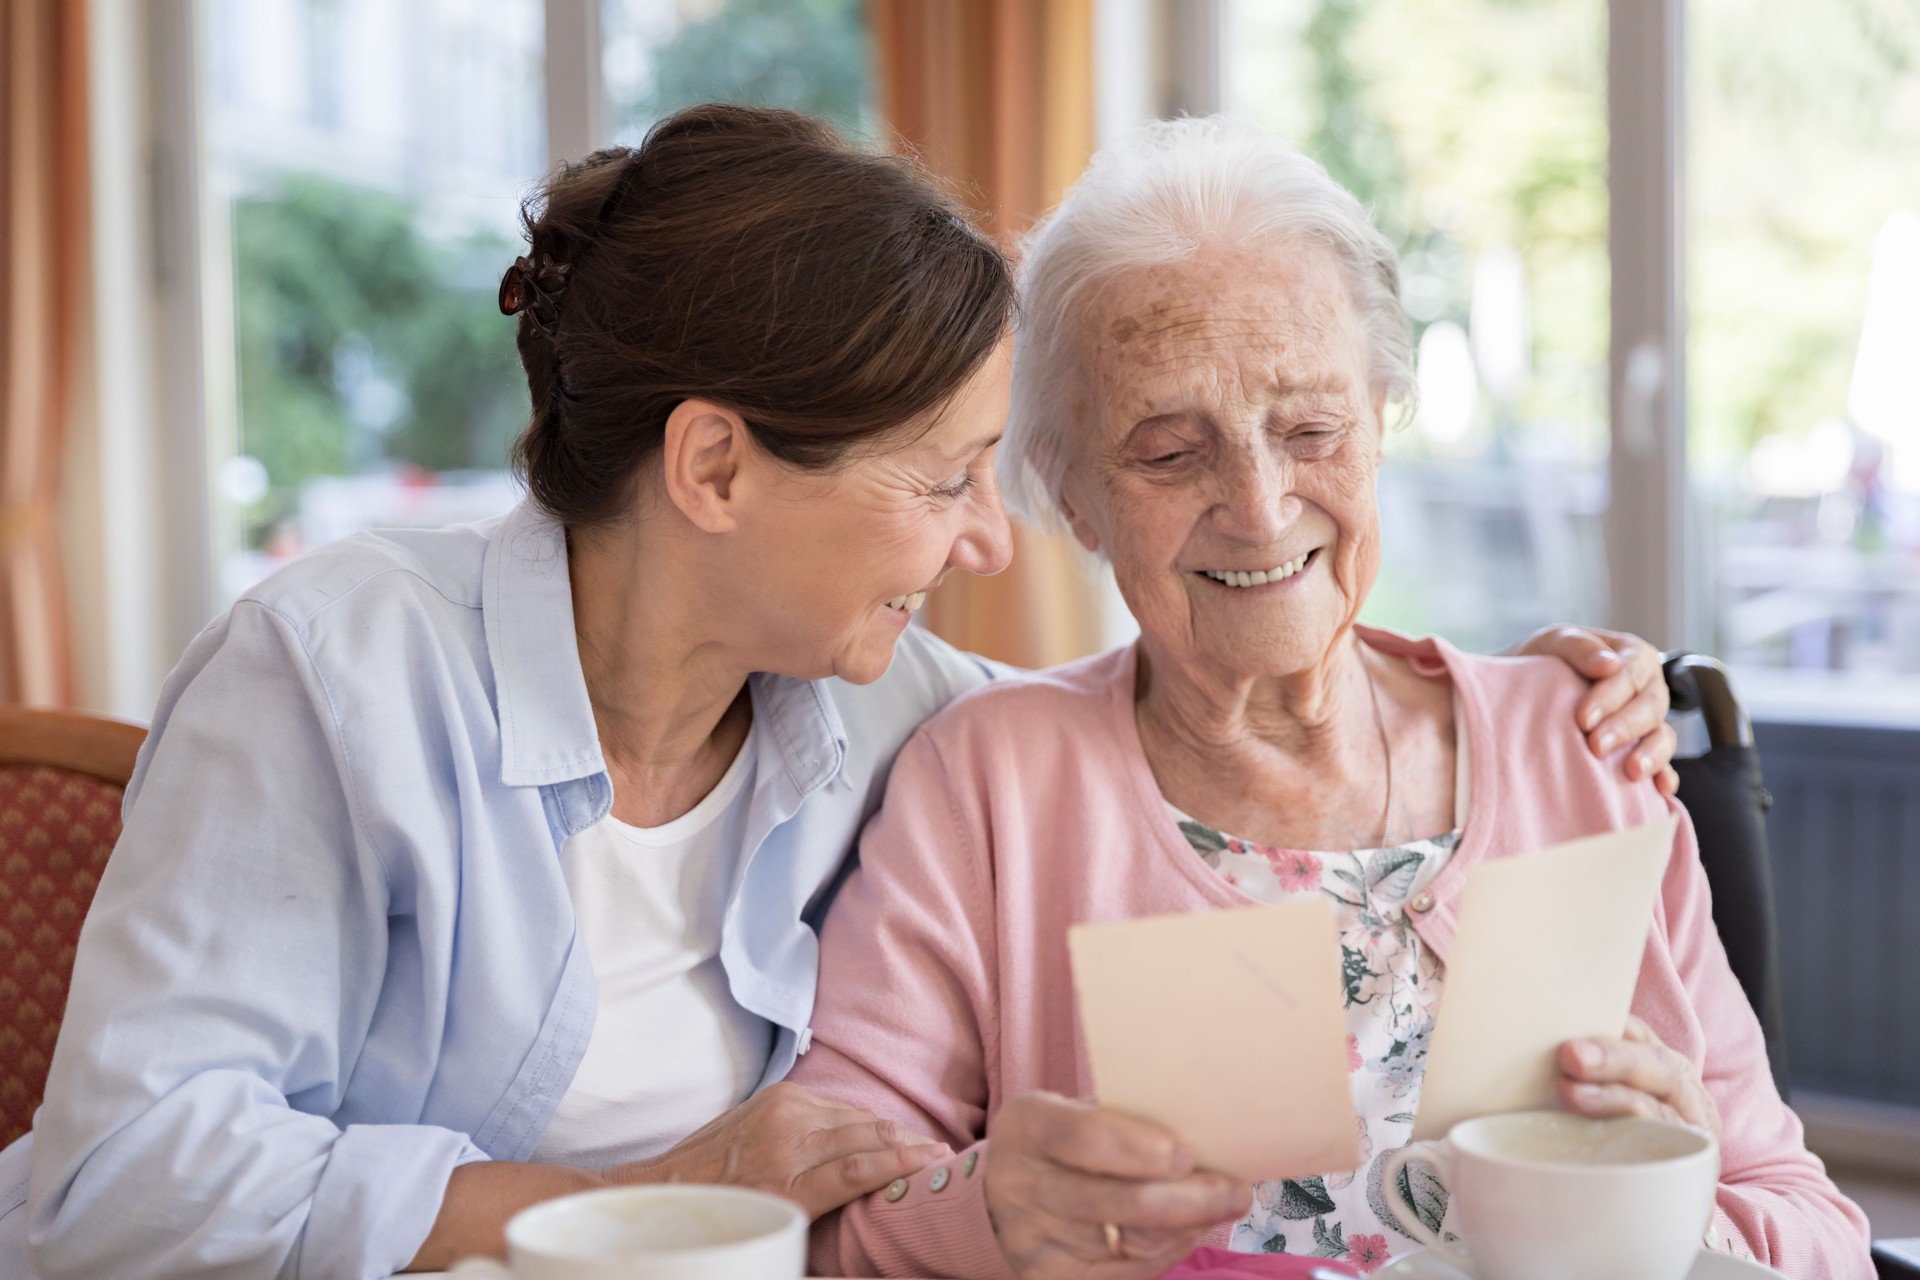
(1083, 531)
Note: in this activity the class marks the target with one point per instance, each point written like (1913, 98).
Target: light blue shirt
(333, 958)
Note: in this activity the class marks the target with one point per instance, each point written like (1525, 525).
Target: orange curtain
(996, 96)
(43, 227)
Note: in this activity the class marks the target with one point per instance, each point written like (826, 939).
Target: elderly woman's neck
(1299, 761)
(1303, 712)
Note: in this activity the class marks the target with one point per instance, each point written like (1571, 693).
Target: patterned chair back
(62, 776)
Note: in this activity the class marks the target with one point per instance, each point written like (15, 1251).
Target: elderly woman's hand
(1635, 1075)
(1628, 699)
(1063, 1172)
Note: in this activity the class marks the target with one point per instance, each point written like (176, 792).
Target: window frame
(1650, 537)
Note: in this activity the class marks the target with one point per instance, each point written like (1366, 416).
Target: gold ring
(1116, 1247)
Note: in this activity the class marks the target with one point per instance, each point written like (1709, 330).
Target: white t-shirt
(670, 1049)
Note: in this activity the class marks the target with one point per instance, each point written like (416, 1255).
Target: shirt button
(939, 1180)
(896, 1191)
(1422, 901)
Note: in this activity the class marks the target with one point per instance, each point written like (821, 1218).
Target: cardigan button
(973, 1158)
(896, 1191)
(1422, 901)
(938, 1181)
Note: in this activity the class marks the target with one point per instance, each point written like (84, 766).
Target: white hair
(1159, 197)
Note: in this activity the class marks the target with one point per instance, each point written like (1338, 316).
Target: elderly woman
(1212, 334)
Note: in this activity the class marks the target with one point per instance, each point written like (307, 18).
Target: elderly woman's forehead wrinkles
(1166, 328)
(1211, 349)
(1290, 387)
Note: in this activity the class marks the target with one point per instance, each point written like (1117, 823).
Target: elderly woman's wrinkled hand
(1628, 700)
(1074, 1190)
(1635, 1075)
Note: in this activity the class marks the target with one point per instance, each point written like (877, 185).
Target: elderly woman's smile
(1260, 577)
(1228, 473)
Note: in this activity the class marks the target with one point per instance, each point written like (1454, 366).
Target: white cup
(675, 1232)
(1541, 1195)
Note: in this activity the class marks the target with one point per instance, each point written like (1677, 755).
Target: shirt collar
(547, 733)
(804, 723)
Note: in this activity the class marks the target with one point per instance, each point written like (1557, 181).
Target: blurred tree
(809, 55)
(1346, 134)
(1798, 117)
(363, 342)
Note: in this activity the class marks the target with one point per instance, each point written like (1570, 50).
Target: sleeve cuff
(932, 1223)
(378, 1198)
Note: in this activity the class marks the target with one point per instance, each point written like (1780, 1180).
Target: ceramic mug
(1546, 1194)
(665, 1232)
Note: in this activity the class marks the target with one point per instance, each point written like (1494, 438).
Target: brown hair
(752, 257)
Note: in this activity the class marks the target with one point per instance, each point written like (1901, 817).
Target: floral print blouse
(1392, 986)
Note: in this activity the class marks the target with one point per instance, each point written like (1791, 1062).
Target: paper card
(1547, 949)
(1226, 1027)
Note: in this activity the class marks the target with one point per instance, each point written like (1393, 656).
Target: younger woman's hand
(795, 1144)
(1628, 701)
(1635, 1075)
(783, 1139)
(1060, 1173)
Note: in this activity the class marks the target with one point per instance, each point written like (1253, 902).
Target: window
(1803, 197)
(808, 55)
(370, 155)
(1483, 158)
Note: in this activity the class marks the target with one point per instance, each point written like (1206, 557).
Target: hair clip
(535, 288)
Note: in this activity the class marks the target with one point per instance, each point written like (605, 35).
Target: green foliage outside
(363, 343)
(809, 55)
(1805, 137)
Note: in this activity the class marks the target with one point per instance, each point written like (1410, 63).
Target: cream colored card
(1227, 1028)
(1547, 949)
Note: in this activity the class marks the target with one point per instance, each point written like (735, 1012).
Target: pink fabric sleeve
(905, 1025)
(1776, 1203)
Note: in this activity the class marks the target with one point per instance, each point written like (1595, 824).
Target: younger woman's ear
(704, 450)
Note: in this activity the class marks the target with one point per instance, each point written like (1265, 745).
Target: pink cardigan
(1028, 806)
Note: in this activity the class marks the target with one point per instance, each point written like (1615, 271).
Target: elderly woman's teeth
(908, 602)
(1260, 577)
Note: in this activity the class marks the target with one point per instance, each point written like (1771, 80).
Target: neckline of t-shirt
(702, 815)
